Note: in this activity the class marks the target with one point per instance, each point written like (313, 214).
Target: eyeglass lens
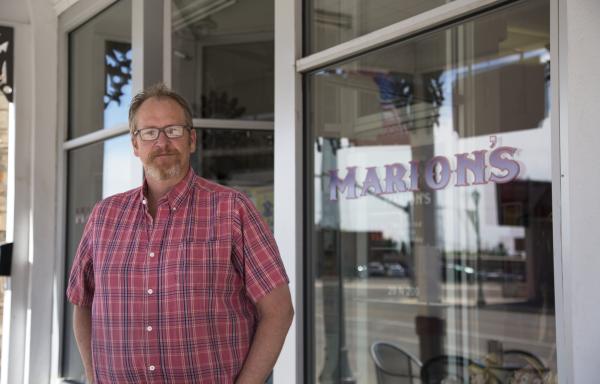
(171, 132)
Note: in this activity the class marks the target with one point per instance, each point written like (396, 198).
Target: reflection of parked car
(375, 268)
(361, 271)
(395, 270)
(458, 272)
(500, 275)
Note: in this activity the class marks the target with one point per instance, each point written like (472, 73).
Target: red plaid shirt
(173, 299)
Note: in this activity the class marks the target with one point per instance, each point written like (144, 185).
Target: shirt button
(150, 291)
(152, 367)
(173, 208)
(149, 328)
(151, 254)
(144, 202)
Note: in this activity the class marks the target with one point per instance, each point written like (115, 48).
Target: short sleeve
(256, 250)
(80, 289)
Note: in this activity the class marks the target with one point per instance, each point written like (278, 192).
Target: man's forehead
(156, 108)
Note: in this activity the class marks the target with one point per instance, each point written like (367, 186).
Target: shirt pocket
(205, 268)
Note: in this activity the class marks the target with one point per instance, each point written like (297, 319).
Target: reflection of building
(533, 200)
(461, 77)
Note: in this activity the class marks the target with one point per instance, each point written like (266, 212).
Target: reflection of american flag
(394, 94)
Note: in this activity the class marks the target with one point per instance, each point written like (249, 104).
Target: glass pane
(431, 227)
(241, 159)
(222, 59)
(100, 71)
(331, 22)
(95, 171)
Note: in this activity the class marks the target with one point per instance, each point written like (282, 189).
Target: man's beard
(163, 173)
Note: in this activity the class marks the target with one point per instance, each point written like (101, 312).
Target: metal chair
(449, 369)
(519, 357)
(521, 366)
(394, 365)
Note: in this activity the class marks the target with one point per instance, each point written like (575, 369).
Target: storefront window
(430, 226)
(222, 58)
(100, 59)
(331, 22)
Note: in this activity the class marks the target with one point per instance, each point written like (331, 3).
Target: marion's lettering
(438, 173)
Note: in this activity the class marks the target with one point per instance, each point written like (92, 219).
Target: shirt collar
(177, 194)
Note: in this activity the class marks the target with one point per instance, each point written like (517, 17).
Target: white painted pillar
(579, 109)
(43, 152)
(288, 212)
(13, 343)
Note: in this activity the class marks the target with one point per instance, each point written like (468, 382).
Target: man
(180, 280)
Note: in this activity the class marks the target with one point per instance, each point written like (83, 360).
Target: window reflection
(332, 22)
(223, 57)
(431, 221)
(241, 159)
(100, 60)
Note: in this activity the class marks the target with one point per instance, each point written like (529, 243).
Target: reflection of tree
(6, 62)
(220, 106)
(117, 70)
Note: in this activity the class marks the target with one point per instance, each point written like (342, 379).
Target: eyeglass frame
(162, 130)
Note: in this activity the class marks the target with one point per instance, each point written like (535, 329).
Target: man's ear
(134, 143)
(192, 140)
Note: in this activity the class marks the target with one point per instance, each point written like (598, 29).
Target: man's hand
(275, 317)
(82, 327)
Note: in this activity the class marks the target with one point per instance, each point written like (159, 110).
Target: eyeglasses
(151, 134)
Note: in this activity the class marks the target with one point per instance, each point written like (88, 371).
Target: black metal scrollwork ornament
(6, 62)
(117, 71)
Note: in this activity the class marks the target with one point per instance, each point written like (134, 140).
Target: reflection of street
(384, 309)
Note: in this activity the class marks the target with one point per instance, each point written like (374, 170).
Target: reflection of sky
(121, 170)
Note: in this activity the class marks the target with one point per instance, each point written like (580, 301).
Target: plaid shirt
(173, 298)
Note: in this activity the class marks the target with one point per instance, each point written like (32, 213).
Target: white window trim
(409, 27)
(104, 134)
(564, 365)
(288, 176)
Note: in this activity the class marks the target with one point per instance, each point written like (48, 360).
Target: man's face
(163, 158)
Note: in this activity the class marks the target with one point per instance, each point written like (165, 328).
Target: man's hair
(159, 91)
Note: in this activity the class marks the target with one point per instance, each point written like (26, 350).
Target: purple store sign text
(437, 172)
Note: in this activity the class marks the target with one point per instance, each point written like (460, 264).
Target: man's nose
(162, 139)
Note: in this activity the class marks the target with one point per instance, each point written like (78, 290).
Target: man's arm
(82, 327)
(275, 313)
